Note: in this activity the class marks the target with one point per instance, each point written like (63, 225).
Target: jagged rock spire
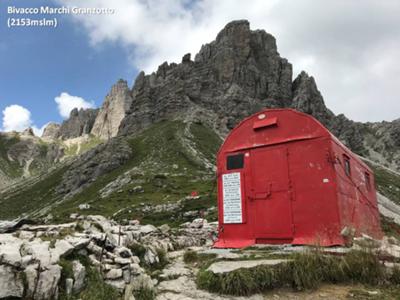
(114, 109)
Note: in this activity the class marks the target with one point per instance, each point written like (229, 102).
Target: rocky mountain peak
(238, 73)
(51, 131)
(80, 122)
(307, 98)
(113, 110)
(28, 132)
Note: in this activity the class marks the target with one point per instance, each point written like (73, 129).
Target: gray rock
(42, 284)
(51, 131)
(11, 284)
(84, 206)
(151, 257)
(122, 261)
(80, 122)
(79, 272)
(27, 132)
(113, 274)
(229, 266)
(164, 228)
(61, 248)
(118, 284)
(10, 250)
(146, 229)
(126, 275)
(92, 164)
(39, 250)
(69, 282)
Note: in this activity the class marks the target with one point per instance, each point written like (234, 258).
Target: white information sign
(232, 198)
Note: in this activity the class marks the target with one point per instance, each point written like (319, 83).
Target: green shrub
(267, 278)
(66, 271)
(395, 276)
(163, 260)
(239, 283)
(137, 249)
(304, 272)
(190, 257)
(144, 294)
(96, 288)
(207, 280)
(363, 267)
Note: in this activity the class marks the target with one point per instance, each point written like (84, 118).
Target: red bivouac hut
(283, 178)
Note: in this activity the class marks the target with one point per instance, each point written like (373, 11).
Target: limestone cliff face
(230, 78)
(80, 122)
(113, 111)
(234, 76)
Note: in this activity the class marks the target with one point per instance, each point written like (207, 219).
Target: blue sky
(38, 64)
(351, 50)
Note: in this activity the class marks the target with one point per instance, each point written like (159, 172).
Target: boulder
(39, 250)
(146, 229)
(11, 284)
(151, 257)
(61, 248)
(10, 250)
(42, 283)
(113, 274)
(164, 228)
(122, 261)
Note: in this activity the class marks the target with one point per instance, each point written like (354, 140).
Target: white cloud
(16, 117)
(67, 102)
(351, 49)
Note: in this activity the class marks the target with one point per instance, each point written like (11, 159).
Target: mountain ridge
(237, 74)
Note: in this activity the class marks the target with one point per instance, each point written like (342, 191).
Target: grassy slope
(155, 152)
(10, 168)
(387, 183)
(32, 197)
(85, 145)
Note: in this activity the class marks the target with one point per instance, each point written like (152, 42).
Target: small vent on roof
(263, 123)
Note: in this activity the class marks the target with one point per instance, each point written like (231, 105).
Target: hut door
(269, 193)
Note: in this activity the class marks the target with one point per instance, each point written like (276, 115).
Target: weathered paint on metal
(293, 184)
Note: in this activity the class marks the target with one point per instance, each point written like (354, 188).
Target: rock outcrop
(30, 266)
(230, 78)
(94, 163)
(307, 98)
(80, 122)
(51, 131)
(27, 132)
(114, 109)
